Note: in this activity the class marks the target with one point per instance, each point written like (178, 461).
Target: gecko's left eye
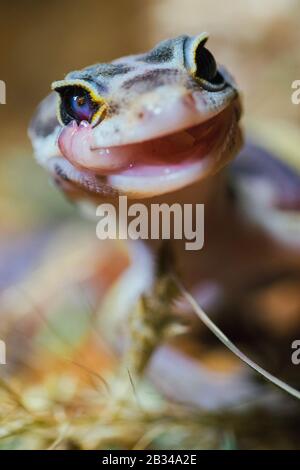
(206, 69)
(76, 103)
(202, 64)
(206, 66)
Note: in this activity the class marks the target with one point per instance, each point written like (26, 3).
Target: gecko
(164, 127)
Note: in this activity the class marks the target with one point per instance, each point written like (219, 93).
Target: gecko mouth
(152, 167)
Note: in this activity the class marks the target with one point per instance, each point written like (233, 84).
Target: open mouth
(150, 167)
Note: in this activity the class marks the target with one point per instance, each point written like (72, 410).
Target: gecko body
(160, 127)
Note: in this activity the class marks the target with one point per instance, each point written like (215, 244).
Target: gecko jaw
(155, 166)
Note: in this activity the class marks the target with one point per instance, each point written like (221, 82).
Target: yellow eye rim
(200, 39)
(93, 92)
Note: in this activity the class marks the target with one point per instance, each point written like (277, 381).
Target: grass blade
(234, 349)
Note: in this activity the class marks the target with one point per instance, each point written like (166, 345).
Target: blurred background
(48, 266)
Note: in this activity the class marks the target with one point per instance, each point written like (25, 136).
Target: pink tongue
(76, 143)
(65, 138)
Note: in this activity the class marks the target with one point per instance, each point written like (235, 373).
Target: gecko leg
(149, 323)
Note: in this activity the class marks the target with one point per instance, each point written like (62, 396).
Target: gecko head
(141, 125)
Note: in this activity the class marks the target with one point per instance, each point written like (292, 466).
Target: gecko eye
(76, 103)
(79, 102)
(206, 67)
(202, 64)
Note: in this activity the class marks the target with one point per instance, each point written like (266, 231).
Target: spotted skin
(124, 80)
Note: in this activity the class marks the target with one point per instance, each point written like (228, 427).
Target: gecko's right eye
(77, 104)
